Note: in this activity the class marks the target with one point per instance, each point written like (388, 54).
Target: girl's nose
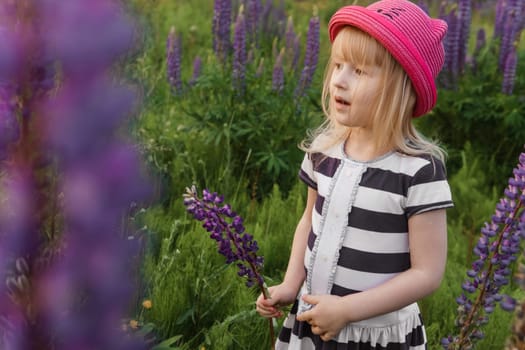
(341, 81)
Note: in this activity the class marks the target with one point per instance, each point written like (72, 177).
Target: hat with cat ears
(413, 38)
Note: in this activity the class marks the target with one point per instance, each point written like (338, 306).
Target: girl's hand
(327, 317)
(280, 295)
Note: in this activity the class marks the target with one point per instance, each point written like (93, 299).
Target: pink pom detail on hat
(413, 38)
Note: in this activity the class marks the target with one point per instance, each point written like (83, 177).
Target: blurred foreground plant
(496, 251)
(236, 245)
(69, 176)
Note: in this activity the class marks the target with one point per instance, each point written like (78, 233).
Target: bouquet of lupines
(497, 249)
(234, 243)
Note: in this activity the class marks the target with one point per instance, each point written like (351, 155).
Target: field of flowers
(149, 159)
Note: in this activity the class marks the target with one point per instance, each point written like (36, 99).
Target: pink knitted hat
(409, 34)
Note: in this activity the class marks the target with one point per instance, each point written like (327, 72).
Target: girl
(372, 239)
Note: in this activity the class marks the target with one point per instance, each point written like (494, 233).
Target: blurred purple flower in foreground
(497, 249)
(69, 177)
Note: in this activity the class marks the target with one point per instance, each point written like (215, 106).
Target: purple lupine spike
(480, 44)
(499, 21)
(278, 73)
(227, 228)
(292, 45)
(9, 126)
(253, 11)
(509, 32)
(239, 53)
(451, 44)
(222, 12)
(310, 57)
(481, 39)
(197, 63)
(464, 19)
(173, 61)
(497, 248)
(94, 182)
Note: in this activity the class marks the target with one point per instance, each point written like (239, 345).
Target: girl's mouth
(342, 101)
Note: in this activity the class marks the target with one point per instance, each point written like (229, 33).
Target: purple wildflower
(222, 12)
(452, 47)
(70, 181)
(310, 57)
(197, 63)
(278, 73)
(239, 53)
(253, 11)
(464, 19)
(499, 21)
(9, 127)
(226, 227)
(497, 248)
(481, 40)
(509, 72)
(173, 60)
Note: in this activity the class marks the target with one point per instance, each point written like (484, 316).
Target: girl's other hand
(280, 295)
(327, 317)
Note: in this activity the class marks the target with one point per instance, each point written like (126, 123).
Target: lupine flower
(509, 72)
(452, 47)
(197, 63)
(499, 20)
(496, 250)
(278, 73)
(226, 227)
(9, 127)
(222, 10)
(253, 11)
(464, 19)
(481, 41)
(174, 56)
(239, 53)
(310, 57)
(61, 239)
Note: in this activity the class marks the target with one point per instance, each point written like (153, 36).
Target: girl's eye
(359, 71)
(338, 65)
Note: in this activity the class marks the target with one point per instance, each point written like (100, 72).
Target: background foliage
(212, 138)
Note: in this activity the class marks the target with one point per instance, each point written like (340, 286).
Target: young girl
(372, 239)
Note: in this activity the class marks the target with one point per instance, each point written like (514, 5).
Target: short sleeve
(306, 173)
(429, 189)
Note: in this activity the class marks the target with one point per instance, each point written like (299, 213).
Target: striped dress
(359, 239)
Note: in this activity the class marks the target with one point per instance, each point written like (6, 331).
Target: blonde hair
(392, 115)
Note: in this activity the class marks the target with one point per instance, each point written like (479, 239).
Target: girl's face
(354, 91)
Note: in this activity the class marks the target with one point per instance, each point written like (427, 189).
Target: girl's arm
(428, 251)
(286, 292)
(295, 273)
(428, 255)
